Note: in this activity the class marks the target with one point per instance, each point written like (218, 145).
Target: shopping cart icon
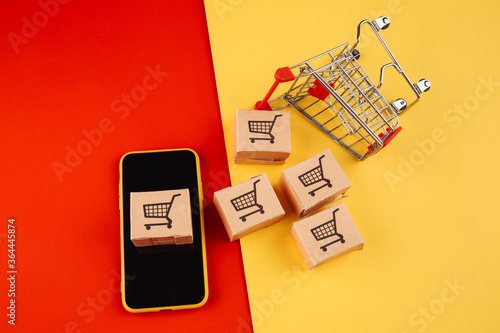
(248, 200)
(159, 210)
(262, 127)
(326, 230)
(336, 94)
(314, 176)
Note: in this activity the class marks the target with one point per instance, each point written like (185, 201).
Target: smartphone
(162, 277)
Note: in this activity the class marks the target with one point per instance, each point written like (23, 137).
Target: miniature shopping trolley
(334, 92)
(159, 210)
(327, 230)
(314, 176)
(262, 127)
(248, 200)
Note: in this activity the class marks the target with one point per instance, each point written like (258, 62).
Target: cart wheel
(148, 227)
(399, 105)
(382, 22)
(342, 241)
(243, 219)
(252, 140)
(324, 249)
(169, 226)
(330, 185)
(262, 211)
(356, 54)
(423, 85)
(272, 141)
(313, 194)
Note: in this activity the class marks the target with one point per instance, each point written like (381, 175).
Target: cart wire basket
(262, 127)
(327, 230)
(248, 200)
(334, 92)
(314, 176)
(159, 210)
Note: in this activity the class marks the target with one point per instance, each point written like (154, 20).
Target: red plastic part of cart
(283, 74)
(387, 140)
(319, 91)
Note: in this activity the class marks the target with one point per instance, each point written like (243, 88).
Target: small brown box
(261, 137)
(248, 207)
(161, 218)
(326, 235)
(314, 182)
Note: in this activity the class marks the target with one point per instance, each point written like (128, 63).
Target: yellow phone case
(122, 250)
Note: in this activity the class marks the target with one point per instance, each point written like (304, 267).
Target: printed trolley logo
(315, 176)
(328, 230)
(159, 210)
(262, 127)
(248, 200)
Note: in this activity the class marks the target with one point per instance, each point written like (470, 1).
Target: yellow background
(429, 218)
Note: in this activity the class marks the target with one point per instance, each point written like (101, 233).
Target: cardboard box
(261, 137)
(326, 235)
(248, 207)
(161, 218)
(314, 182)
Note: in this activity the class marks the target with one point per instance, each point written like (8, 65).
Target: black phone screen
(163, 276)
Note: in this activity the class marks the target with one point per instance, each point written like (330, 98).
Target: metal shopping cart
(159, 210)
(248, 200)
(314, 176)
(326, 230)
(262, 127)
(334, 92)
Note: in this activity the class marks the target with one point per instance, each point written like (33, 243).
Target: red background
(60, 83)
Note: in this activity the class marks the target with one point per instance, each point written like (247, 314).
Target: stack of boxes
(263, 137)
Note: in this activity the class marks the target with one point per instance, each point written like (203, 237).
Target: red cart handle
(283, 74)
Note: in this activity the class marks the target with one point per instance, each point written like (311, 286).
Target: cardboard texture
(261, 137)
(314, 182)
(161, 218)
(326, 235)
(248, 207)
